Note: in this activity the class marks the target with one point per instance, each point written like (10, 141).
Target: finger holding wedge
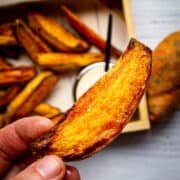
(64, 61)
(99, 116)
(33, 93)
(56, 34)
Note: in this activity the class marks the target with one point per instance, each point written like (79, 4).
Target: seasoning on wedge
(33, 94)
(16, 75)
(31, 42)
(64, 61)
(99, 116)
(89, 34)
(56, 34)
(46, 110)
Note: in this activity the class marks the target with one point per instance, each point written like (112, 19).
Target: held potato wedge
(102, 112)
(64, 61)
(31, 42)
(54, 33)
(33, 94)
(16, 75)
(46, 110)
(87, 32)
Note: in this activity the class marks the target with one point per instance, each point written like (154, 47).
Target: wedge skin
(33, 93)
(17, 75)
(54, 33)
(99, 116)
(30, 41)
(64, 61)
(87, 32)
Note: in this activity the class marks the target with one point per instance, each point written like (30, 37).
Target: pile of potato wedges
(53, 49)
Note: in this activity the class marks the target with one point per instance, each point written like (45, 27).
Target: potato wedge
(46, 110)
(7, 40)
(90, 35)
(6, 29)
(54, 33)
(31, 42)
(10, 94)
(33, 94)
(17, 75)
(64, 61)
(166, 66)
(102, 112)
(4, 64)
(162, 106)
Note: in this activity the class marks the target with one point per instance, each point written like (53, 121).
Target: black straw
(108, 43)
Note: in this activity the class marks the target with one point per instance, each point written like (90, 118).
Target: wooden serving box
(95, 14)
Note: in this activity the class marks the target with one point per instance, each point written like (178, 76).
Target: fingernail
(50, 167)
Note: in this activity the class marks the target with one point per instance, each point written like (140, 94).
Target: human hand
(14, 142)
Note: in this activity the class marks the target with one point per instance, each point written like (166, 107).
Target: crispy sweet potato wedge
(166, 66)
(31, 42)
(6, 29)
(46, 110)
(54, 33)
(9, 95)
(7, 40)
(16, 75)
(87, 32)
(33, 94)
(63, 61)
(162, 106)
(102, 112)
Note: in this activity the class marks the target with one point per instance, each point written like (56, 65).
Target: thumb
(49, 167)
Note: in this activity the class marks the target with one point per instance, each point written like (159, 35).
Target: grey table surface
(154, 154)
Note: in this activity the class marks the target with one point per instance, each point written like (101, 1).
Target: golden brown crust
(17, 75)
(87, 32)
(56, 34)
(101, 113)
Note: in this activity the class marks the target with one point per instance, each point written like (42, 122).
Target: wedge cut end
(99, 116)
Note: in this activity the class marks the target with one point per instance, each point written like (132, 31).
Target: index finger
(15, 138)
